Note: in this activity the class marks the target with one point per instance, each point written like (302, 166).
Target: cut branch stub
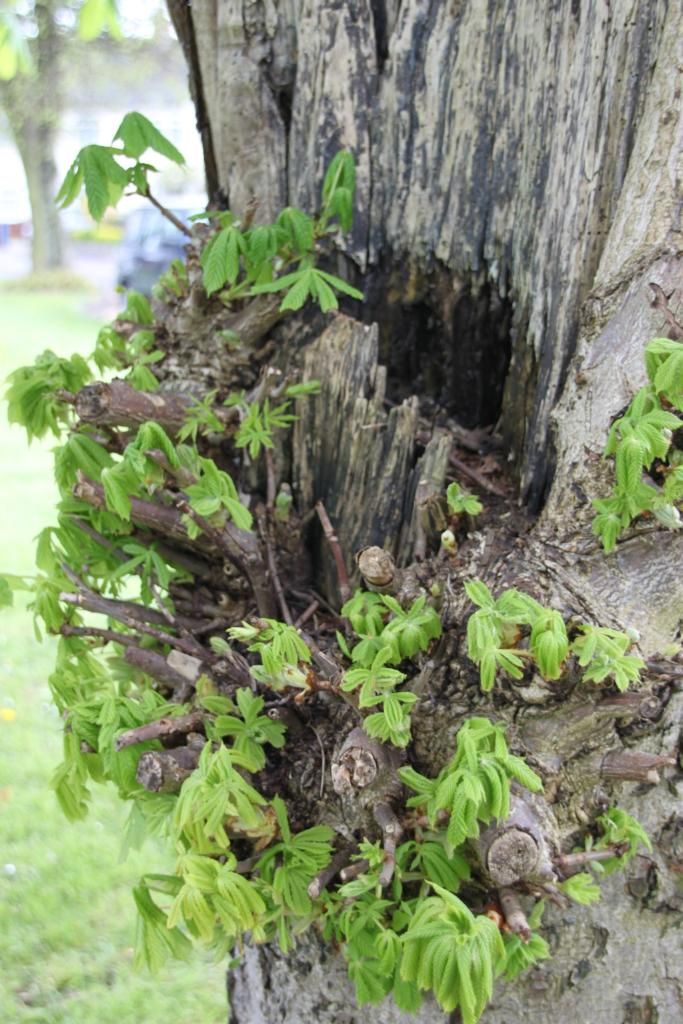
(515, 918)
(365, 764)
(512, 856)
(164, 771)
(515, 850)
(378, 569)
(635, 765)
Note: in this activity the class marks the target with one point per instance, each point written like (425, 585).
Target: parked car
(150, 243)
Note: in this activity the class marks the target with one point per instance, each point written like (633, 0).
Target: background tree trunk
(519, 170)
(32, 103)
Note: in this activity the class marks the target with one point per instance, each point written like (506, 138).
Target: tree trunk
(31, 101)
(518, 173)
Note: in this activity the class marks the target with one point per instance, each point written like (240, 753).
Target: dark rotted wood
(350, 452)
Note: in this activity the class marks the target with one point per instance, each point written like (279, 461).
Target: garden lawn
(67, 918)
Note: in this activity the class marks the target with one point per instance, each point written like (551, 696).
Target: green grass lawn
(67, 919)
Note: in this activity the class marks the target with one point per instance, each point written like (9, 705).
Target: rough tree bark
(519, 171)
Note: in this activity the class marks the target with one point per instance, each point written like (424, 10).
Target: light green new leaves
(211, 893)
(220, 258)
(104, 180)
(215, 497)
(410, 630)
(406, 632)
(434, 864)
(497, 624)
(455, 954)
(374, 681)
(664, 365)
(339, 187)
(475, 786)
(309, 282)
(520, 956)
(493, 629)
(137, 134)
(252, 731)
(290, 865)
(549, 644)
(96, 16)
(619, 827)
(104, 177)
(377, 686)
(581, 888)
(460, 501)
(603, 653)
(256, 431)
(15, 56)
(31, 397)
(155, 941)
(365, 611)
(215, 796)
(281, 648)
(642, 435)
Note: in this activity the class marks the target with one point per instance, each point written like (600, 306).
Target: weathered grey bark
(31, 102)
(519, 169)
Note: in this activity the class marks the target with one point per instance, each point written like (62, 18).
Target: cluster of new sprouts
(648, 466)
(127, 497)
(239, 261)
(513, 631)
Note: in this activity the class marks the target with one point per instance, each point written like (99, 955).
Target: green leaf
(340, 285)
(549, 644)
(479, 593)
(137, 133)
(581, 888)
(15, 55)
(220, 258)
(103, 177)
(298, 228)
(339, 187)
(520, 956)
(97, 16)
(460, 501)
(302, 287)
(327, 300)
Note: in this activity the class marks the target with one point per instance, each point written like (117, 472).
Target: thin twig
(333, 541)
(323, 760)
(83, 601)
(664, 668)
(162, 728)
(392, 831)
(321, 880)
(108, 635)
(515, 917)
(359, 867)
(168, 214)
(477, 477)
(270, 481)
(273, 573)
(307, 614)
(242, 549)
(570, 863)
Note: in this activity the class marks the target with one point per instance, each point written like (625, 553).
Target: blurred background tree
(63, 56)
